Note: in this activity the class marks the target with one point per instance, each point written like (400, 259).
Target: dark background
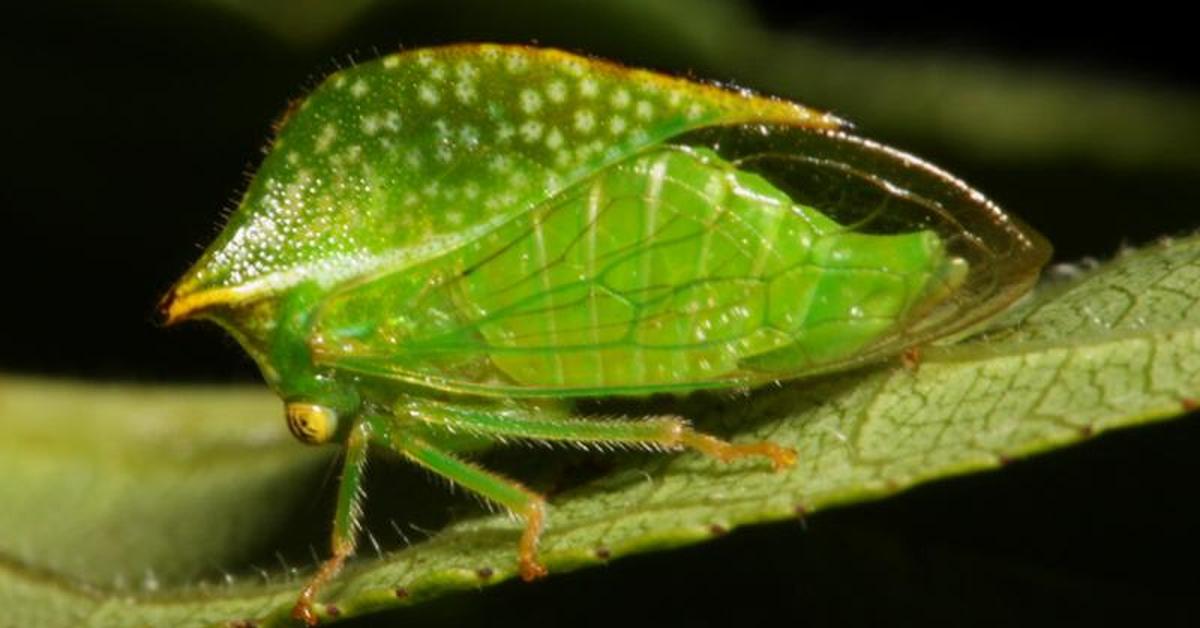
(126, 130)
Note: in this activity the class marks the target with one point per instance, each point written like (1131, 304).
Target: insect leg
(345, 520)
(516, 498)
(661, 432)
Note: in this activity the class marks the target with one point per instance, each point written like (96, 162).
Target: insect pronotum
(463, 240)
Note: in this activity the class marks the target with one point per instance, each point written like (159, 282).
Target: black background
(127, 130)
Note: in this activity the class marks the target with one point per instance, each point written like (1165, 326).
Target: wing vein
(654, 187)
(539, 238)
(595, 197)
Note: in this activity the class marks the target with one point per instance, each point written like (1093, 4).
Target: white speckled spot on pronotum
(585, 121)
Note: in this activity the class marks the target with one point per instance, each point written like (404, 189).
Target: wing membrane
(672, 270)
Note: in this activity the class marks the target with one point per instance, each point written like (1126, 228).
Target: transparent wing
(723, 260)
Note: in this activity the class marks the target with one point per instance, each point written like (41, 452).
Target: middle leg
(659, 432)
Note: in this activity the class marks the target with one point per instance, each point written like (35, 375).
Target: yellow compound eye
(311, 423)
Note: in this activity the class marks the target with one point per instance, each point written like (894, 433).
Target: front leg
(345, 521)
(516, 498)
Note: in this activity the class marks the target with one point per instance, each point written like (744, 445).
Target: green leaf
(116, 488)
(177, 480)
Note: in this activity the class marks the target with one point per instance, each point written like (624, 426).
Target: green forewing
(670, 270)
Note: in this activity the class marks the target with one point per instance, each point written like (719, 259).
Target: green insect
(445, 248)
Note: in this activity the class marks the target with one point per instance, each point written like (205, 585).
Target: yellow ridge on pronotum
(179, 304)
